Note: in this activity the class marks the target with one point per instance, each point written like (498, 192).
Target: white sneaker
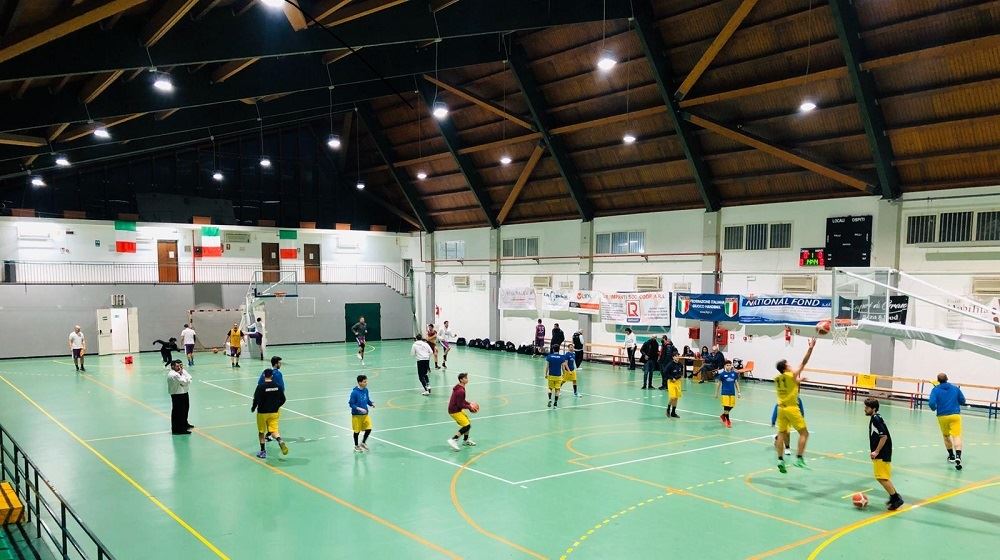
(469, 443)
(453, 443)
(362, 362)
(359, 356)
(365, 446)
(357, 449)
(788, 451)
(578, 395)
(425, 393)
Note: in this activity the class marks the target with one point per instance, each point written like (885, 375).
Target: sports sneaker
(951, 459)
(958, 464)
(800, 462)
(550, 404)
(437, 366)
(453, 443)
(788, 451)
(722, 418)
(268, 437)
(284, 448)
(781, 467)
(262, 454)
(577, 395)
(359, 356)
(895, 504)
(83, 368)
(365, 446)
(674, 414)
(357, 449)
(362, 362)
(469, 443)
(729, 423)
(237, 365)
(425, 393)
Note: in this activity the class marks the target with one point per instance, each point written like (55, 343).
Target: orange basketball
(215, 350)
(860, 500)
(823, 327)
(473, 407)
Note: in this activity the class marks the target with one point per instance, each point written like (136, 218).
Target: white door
(103, 331)
(119, 330)
(133, 329)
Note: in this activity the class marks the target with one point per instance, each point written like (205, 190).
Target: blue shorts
(189, 348)
(361, 341)
(77, 352)
(234, 351)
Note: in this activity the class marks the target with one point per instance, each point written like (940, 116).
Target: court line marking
(496, 416)
(255, 376)
(385, 441)
(194, 532)
(289, 476)
(415, 390)
(640, 460)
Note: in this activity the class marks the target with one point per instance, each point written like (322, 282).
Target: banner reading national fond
(707, 307)
(517, 298)
(643, 308)
(784, 310)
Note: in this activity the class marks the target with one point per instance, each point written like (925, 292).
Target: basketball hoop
(841, 330)
(280, 296)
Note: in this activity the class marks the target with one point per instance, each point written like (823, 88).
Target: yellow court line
(208, 544)
(748, 480)
(995, 481)
(293, 478)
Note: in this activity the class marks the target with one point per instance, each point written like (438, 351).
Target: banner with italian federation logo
(783, 310)
(707, 307)
(640, 308)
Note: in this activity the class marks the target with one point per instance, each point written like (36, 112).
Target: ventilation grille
(565, 284)
(684, 287)
(647, 283)
(541, 282)
(798, 284)
(461, 282)
(989, 286)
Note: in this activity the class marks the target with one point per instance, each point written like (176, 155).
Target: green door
(372, 312)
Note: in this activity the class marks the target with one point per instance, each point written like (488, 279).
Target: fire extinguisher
(788, 333)
(437, 311)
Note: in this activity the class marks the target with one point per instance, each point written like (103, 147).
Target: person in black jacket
(558, 337)
(578, 348)
(713, 363)
(650, 350)
(667, 353)
(267, 401)
(166, 348)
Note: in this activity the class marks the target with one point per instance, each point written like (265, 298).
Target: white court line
(496, 416)
(415, 390)
(328, 372)
(387, 442)
(578, 471)
(621, 400)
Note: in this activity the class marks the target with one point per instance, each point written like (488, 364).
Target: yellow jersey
(235, 337)
(788, 389)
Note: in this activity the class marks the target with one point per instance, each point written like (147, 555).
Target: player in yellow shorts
(267, 401)
(360, 402)
(457, 405)
(880, 443)
(569, 371)
(673, 372)
(555, 366)
(786, 384)
(947, 401)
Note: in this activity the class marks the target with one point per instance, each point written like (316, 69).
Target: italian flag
(211, 242)
(124, 236)
(289, 239)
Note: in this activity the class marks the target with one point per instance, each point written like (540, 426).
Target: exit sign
(812, 257)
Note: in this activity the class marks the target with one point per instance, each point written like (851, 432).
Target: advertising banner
(585, 301)
(707, 307)
(517, 299)
(553, 300)
(873, 308)
(784, 310)
(643, 308)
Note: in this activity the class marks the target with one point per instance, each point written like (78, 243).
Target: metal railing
(45, 509)
(40, 272)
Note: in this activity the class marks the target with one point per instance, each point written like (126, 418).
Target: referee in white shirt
(630, 347)
(78, 347)
(178, 383)
(423, 352)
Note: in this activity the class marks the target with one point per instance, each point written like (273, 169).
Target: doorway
(269, 262)
(117, 330)
(166, 260)
(372, 312)
(313, 265)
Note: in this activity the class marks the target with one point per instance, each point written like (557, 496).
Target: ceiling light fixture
(101, 131)
(62, 161)
(273, 3)
(629, 138)
(505, 160)
(265, 161)
(360, 186)
(607, 61)
(217, 175)
(163, 83)
(807, 106)
(421, 175)
(439, 110)
(334, 142)
(37, 181)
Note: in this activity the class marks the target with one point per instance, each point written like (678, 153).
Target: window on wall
(757, 237)
(955, 227)
(451, 250)
(988, 226)
(621, 243)
(963, 226)
(520, 247)
(920, 229)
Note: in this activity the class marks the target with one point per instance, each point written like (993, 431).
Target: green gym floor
(604, 476)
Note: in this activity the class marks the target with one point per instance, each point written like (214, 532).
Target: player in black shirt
(880, 443)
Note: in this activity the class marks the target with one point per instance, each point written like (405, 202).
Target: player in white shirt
(446, 337)
(78, 347)
(188, 337)
(423, 352)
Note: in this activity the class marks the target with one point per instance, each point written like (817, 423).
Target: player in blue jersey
(554, 364)
(569, 372)
(727, 384)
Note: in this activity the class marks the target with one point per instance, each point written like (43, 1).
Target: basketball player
(188, 337)
(360, 402)
(578, 349)
(166, 350)
(360, 330)
(674, 373)
(457, 406)
(446, 337)
(77, 347)
(235, 339)
(569, 371)
(554, 365)
(422, 351)
(431, 340)
(267, 401)
(786, 385)
(539, 337)
(947, 400)
(880, 443)
(728, 385)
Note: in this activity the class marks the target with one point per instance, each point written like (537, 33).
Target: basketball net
(280, 296)
(841, 330)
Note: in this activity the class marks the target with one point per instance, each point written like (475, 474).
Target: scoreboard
(848, 241)
(814, 256)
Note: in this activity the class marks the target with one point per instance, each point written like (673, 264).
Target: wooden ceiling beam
(22, 88)
(53, 132)
(480, 102)
(826, 170)
(208, 7)
(230, 69)
(326, 8)
(165, 19)
(22, 140)
(295, 16)
(163, 115)
(84, 130)
(951, 49)
(832, 74)
(69, 21)
(845, 19)
(438, 5)
(330, 57)
(358, 10)
(741, 13)
(96, 85)
(522, 180)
